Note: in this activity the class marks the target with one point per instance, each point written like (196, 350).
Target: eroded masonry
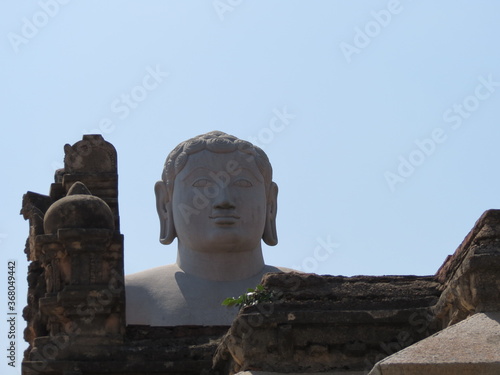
(448, 323)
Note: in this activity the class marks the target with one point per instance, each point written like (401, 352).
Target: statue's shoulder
(150, 293)
(155, 274)
(151, 282)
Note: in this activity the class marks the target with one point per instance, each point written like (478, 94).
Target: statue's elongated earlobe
(164, 209)
(270, 235)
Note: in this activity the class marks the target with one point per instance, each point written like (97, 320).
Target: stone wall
(326, 323)
(144, 350)
(471, 276)
(76, 300)
(334, 324)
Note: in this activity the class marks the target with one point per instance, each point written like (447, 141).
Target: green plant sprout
(251, 297)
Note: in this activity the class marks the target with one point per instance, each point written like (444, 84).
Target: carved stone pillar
(76, 302)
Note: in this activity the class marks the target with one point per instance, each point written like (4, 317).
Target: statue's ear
(270, 235)
(164, 208)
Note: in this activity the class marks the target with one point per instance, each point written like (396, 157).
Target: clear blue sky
(381, 118)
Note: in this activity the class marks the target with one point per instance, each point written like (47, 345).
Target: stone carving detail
(76, 288)
(90, 155)
(93, 162)
(76, 296)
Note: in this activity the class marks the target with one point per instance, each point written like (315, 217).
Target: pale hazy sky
(381, 118)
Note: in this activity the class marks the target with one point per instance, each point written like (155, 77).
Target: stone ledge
(487, 227)
(469, 277)
(470, 347)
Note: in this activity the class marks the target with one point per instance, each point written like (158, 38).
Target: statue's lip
(224, 216)
(225, 219)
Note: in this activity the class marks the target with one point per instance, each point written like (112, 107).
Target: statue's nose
(223, 200)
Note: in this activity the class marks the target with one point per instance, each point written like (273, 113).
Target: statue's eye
(202, 182)
(243, 182)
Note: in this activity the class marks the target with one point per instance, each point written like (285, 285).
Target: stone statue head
(217, 194)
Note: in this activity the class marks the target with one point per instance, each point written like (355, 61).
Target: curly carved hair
(218, 142)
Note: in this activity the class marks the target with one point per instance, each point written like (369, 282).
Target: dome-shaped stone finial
(78, 209)
(78, 188)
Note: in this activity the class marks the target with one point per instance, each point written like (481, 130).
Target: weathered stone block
(327, 323)
(471, 347)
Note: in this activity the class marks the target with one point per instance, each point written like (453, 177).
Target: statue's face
(219, 203)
